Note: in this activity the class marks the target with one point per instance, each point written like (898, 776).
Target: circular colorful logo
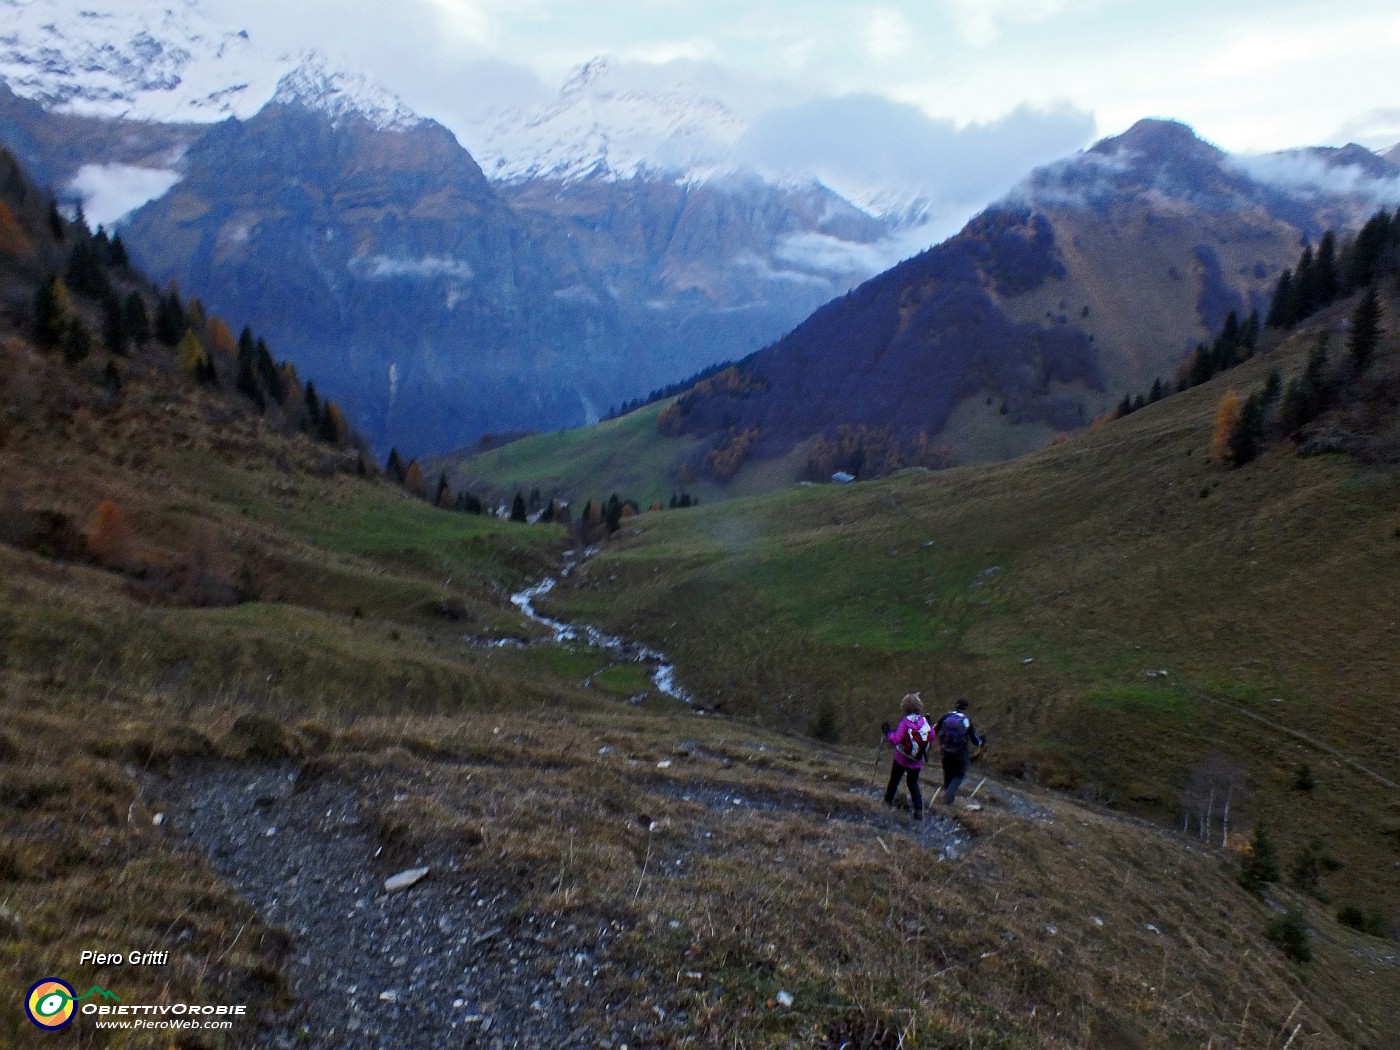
(50, 1004)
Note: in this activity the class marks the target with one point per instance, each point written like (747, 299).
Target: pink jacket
(912, 734)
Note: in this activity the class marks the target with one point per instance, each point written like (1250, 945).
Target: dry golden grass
(350, 666)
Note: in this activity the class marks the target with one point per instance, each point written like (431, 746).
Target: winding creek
(663, 670)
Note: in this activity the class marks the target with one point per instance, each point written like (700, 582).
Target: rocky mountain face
(367, 246)
(1098, 275)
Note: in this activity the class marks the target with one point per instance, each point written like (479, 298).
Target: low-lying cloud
(893, 159)
(390, 267)
(110, 192)
(1309, 174)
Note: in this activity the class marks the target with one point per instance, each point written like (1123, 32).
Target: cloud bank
(110, 192)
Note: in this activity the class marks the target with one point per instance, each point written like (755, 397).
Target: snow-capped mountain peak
(316, 84)
(168, 62)
(117, 59)
(602, 124)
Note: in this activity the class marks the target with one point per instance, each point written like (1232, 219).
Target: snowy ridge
(105, 58)
(315, 84)
(598, 127)
(168, 62)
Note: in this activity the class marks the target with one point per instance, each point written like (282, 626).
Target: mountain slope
(1125, 613)
(1099, 275)
(580, 286)
(221, 779)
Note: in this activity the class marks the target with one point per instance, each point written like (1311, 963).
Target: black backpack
(952, 731)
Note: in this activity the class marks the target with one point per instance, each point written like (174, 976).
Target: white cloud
(981, 21)
(888, 34)
(1376, 129)
(664, 51)
(891, 157)
(1305, 173)
(112, 191)
(388, 268)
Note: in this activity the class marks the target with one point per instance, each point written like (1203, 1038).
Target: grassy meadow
(1051, 591)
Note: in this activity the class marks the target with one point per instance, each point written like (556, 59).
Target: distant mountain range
(1097, 276)
(366, 245)
(616, 241)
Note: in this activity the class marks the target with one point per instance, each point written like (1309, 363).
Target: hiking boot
(918, 814)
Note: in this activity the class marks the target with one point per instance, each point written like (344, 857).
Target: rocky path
(422, 967)
(443, 962)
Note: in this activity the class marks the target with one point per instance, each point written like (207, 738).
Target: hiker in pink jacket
(910, 742)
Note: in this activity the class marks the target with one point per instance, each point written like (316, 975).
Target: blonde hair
(913, 704)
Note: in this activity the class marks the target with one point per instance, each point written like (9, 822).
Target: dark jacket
(970, 737)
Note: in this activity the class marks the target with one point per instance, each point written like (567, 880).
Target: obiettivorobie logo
(51, 1003)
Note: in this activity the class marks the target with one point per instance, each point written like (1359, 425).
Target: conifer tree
(1279, 305)
(138, 322)
(1326, 283)
(517, 508)
(116, 252)
(271, 376)
(170, 323)
(394, 467)
(53, 307)
(444, 492)
(1304, 299)
(86, 274)
(1365, 329)
(114, 333)
(1367, 250)
(77, 341)
(313, 406)
(1260, 866)
(55, 221)
(248, 385)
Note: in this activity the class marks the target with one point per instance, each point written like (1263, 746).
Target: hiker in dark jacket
(910, 740)
(955, 732)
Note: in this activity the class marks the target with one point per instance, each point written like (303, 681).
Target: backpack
(915, 742)
(952, 731)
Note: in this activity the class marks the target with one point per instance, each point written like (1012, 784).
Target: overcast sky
(1249, 75)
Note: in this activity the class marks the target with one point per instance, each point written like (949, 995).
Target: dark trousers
(954, 769)
(897, 773)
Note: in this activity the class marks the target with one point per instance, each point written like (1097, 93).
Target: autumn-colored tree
(194, 309)
(219, 338)
(1227, 420)
(14, 242)
(413, 480)
(334, 428)
(290, 385)
(190, 353)
(110, 540)
(724, 461)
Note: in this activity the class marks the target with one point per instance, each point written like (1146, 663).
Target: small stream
(663, 670)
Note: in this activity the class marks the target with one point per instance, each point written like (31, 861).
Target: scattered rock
(784, 999)
(404, 879)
